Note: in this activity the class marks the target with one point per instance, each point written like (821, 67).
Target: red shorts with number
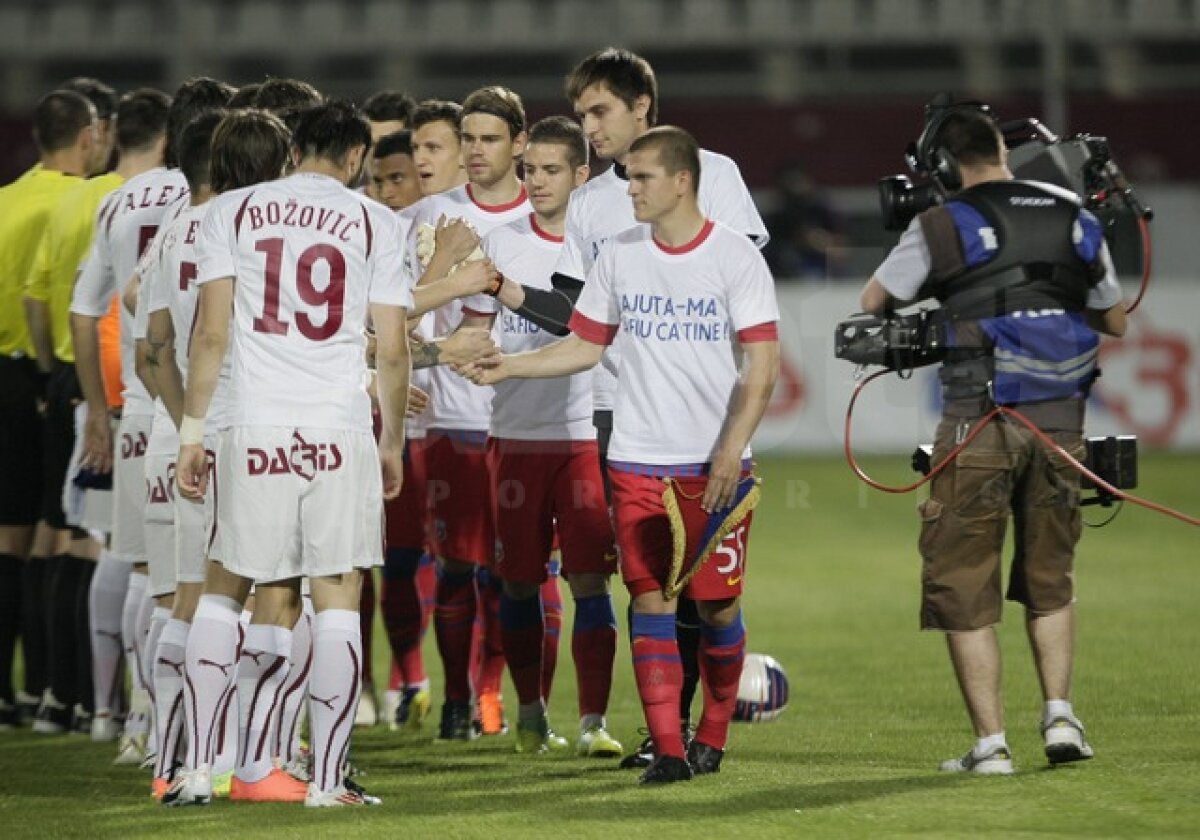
(644, 537)
(538, 484)
(459, 495)
(407, 515)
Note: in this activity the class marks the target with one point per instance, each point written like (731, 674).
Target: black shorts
(58, 440)
(20, 442)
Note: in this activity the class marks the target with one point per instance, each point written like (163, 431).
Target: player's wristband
(191, 430)
(495, 287)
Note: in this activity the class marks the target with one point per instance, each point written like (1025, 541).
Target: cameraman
(1024, 279)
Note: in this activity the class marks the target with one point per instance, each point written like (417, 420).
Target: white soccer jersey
(454, 403)
(414, 427)
(532, 409)
(601, 208)
(129, 220)
(169, 274)
(308, 256)
(679, 317)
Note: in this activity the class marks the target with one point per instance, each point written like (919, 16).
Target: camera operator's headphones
(926, 156)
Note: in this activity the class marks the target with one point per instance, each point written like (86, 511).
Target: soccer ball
(762, 691)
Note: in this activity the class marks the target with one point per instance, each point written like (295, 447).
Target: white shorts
(129, 489)
(88, 509)
(294, 502)
(193, 527)
(160, 522)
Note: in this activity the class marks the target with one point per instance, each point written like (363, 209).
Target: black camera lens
(900, 200)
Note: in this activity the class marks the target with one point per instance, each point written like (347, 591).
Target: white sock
(158, 620)
(262, 669)
(990, 742)
(333, 692)
(289, 712)
(226, 736)
(168, 693)
(211, 667)
(106, 600)
(136, 722)
(1056, 709)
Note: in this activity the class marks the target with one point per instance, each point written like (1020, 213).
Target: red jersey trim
(592, 331)
(521, 198)
(759, 332)
(542, 232)
(475, 313)
(689, 246)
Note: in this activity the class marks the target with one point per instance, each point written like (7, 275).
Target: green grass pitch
(832, 594)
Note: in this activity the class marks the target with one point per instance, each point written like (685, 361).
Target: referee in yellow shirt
(65, 129)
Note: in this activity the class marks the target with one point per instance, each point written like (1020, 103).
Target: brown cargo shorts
(1005, 470)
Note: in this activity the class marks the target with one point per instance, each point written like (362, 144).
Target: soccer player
(545, 467)
(615, 96)
(493, 137)
(287, 99)
(133, 215)
(388, 111)
(65, 131)
(298, 470)
(693, 304)
(169, 297)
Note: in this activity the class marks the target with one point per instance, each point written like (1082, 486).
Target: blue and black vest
(1012, 265)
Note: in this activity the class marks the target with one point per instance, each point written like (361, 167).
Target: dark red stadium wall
(855, 143)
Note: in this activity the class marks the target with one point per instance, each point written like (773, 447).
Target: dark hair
(141, 119)
(677, 150)
(193, 98)
(331, 130)
(248, 147)
(437, 110)
(626, 74)
(499, 102)
(970, 136)
(103, 97)
(195, 149)
(58, 118)
(396, 143)
(243, 97)
(562, 131)
(287, 99)
(389, 105)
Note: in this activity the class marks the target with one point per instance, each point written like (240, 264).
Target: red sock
(401, 607)
(426, 589)
(552, 612)
(489, 672)
(453, 622)
(395, 680)
(659, 676)
(366, 620)
(523, 631)
(722, 651)
(594, 647)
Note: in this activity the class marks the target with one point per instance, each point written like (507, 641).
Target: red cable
(1147, 261)
(980, 424)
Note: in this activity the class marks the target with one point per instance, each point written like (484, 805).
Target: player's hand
(191, 471)
(466, 345)
(97, 442)
(723, 477)
(456, 239)
(391, 465)
(418, 401)
(487, 370)
(474, 278)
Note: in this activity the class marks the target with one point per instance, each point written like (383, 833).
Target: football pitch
(832, 594)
